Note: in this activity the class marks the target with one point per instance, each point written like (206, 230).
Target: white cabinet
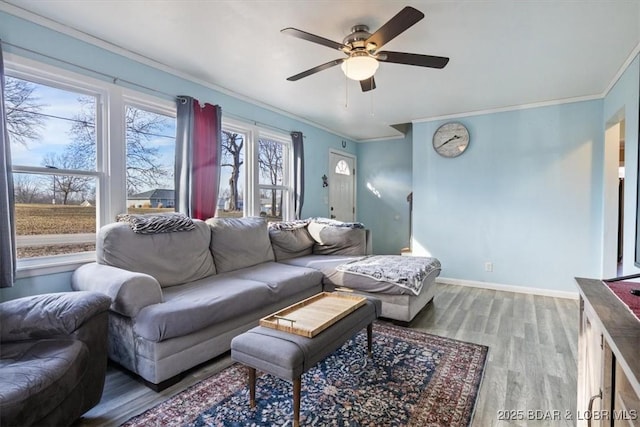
(608, 359)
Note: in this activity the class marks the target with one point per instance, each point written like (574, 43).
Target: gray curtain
(182, 176)
(298, 172)
(7, 208)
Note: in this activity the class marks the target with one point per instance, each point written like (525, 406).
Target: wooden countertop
(621, 328)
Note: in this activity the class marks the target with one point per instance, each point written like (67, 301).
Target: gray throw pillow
(291, 243)
(171, 258)
(239, 242)
(337, 240)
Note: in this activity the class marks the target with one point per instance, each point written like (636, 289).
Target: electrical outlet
(488, 266)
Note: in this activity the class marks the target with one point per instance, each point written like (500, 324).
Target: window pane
(55, 214)
(231, 192)
(271, 204)
(342, 168)
(151, 146)
(270, 158)
(50, 126)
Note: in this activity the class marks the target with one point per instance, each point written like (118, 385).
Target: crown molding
(509, 108)
(134, 56)
(630, 58)
(622, 69)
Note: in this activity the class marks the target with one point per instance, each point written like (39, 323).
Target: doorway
(342, 175)
(613, 199)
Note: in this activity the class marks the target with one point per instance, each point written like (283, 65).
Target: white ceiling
(503, 52)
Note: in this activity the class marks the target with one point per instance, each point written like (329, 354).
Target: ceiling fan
(363, 49)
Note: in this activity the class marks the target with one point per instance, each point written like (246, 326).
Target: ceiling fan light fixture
(359, 67)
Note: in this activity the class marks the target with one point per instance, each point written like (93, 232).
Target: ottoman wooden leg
(369, 338)
(297, 385)
(252, 387)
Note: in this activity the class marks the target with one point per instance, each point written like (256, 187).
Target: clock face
(451, 139)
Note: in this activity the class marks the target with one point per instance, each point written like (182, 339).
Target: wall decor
(451, 139)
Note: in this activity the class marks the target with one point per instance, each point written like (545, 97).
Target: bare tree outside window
(233, 158)
(144, 168)
(270, 162)
(66, 186)
(24, 121)
(27, 190)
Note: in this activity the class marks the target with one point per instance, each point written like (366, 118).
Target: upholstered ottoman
(288, 356)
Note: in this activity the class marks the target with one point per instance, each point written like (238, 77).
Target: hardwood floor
(531, 363)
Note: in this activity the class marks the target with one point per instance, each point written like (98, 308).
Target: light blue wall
(622, 102)
(62, 47)
(59, 282)
(526, 196)
(386, 167)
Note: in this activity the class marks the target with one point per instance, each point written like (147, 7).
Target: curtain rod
(114, 80)
(256, 123)
(124, 82)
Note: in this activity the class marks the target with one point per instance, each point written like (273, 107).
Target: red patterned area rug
(413, 379)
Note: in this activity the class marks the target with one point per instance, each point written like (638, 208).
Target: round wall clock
(451, 139)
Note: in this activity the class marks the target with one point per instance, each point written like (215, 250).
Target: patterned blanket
(157, 223)
(336, 223)
(406, 272)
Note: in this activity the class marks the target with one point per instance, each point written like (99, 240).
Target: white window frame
(287, 184)
(110, 169)
(253, 133)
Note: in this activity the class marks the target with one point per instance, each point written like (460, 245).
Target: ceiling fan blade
(313, 38)
(413, 59)
(316, 69)
(396, 25)
(368, 84)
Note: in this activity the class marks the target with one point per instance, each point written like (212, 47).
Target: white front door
(342, 206)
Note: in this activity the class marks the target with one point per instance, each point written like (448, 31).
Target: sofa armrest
(129, 291)
(48, 315)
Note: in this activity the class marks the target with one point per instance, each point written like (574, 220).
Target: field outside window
(53, 150)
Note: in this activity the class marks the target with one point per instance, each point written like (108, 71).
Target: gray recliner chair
(53, 357)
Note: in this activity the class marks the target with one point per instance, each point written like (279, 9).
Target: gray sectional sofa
(178, 298)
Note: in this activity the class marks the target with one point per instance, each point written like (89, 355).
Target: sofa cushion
(197, 305)
(291, 243)
(239, 242)
(336, 240)
(326, 264)
(171, 258)
(283, 280)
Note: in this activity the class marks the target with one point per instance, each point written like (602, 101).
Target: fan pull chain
(373, 114)
(346, 91)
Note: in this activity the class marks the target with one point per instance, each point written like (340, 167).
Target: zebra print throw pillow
(157, 223)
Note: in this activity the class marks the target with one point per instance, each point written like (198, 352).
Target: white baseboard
(509, 288)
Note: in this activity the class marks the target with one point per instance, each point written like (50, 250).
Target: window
(342, 168)
(151, 147)
(80, 148)
(53, 152)
(272, 155)
(257, 162)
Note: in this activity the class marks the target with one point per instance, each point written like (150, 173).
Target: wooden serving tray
(313, 315)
